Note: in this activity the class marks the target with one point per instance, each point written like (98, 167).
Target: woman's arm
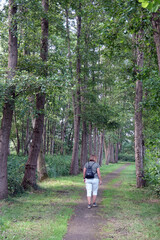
(84, 172)
(99, 176)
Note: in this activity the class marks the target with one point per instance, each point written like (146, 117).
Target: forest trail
(85, 224)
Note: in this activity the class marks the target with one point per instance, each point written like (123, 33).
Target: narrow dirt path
(84, 224)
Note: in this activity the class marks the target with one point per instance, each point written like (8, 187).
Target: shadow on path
(84, 224)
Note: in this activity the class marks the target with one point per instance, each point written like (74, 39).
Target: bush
(152, 170)
(16, 166)
(58, 165)
(126, 157)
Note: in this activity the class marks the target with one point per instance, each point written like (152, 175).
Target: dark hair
(93, 158)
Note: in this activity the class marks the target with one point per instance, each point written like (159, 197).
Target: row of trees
(73, 80)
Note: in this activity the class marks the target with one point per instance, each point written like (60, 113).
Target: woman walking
(92, 182)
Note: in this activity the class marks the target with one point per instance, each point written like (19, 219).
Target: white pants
(92, 186)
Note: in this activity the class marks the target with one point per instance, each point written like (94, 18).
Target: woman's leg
(95, 189)
(89, 190)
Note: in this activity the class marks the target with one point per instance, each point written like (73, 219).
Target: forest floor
(86, 224)
(59, 210)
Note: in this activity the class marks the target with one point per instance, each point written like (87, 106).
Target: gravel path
(84, 224)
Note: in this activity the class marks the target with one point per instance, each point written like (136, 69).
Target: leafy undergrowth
(43, 215)
(129, 213)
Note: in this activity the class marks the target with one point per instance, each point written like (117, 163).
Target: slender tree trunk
(156, 33)
(138, 114)
(111, 160)
(48, 136)
(74, 163)
(116, 152)
(9, 102)
(22, 136)
(106, 150)
(17, 135)
(27, 141)
(95, 141)
(63, 133)
(41, 165)
(101, 148)
(29, 179)
(84, 154)
(90, 138)
(44, 137)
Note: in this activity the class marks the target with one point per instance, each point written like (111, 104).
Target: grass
(43, 215)
(130, 213)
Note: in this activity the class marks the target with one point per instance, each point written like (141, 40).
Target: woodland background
(78, 77)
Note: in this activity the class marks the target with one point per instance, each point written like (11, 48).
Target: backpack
(89, 172)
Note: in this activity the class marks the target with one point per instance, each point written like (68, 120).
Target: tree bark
(44, 137)
(41, 165)
(77, 102)
(90, 138)
(17, 135)
(29, 179)
(84, 154)
(106, 150)
(95, 141)
(116, 152)
(63, 133)
(138, 114)
(111, 160)
(101, 148)
(9, 102)
(156, 33)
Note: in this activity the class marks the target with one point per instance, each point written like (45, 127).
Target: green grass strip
(129, 213)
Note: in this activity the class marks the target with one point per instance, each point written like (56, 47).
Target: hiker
(92, 182)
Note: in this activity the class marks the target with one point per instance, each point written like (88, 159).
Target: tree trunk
(111, 160)
(116, 152)
(90, 138)
(101, 148)
(44, 137)
(84, 154)
(95, 141)
(9, 102)
(17, 135)
(138, 115)
(63, 133)
(106, 150)
(41, 165)
(48, 136)
(29, 179)
(156, 33)
(76, 100)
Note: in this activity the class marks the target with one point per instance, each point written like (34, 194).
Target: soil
(85, 224)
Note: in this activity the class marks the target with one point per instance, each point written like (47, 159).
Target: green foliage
(151, 5)
(16, 165)
(152, 169)
(58, 165)
(126, 157)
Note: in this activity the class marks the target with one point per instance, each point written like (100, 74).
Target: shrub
(16, 165)
(58, 165)
(126, 157)
(152, 169)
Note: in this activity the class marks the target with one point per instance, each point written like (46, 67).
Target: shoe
(89, 206)
(94, 204)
